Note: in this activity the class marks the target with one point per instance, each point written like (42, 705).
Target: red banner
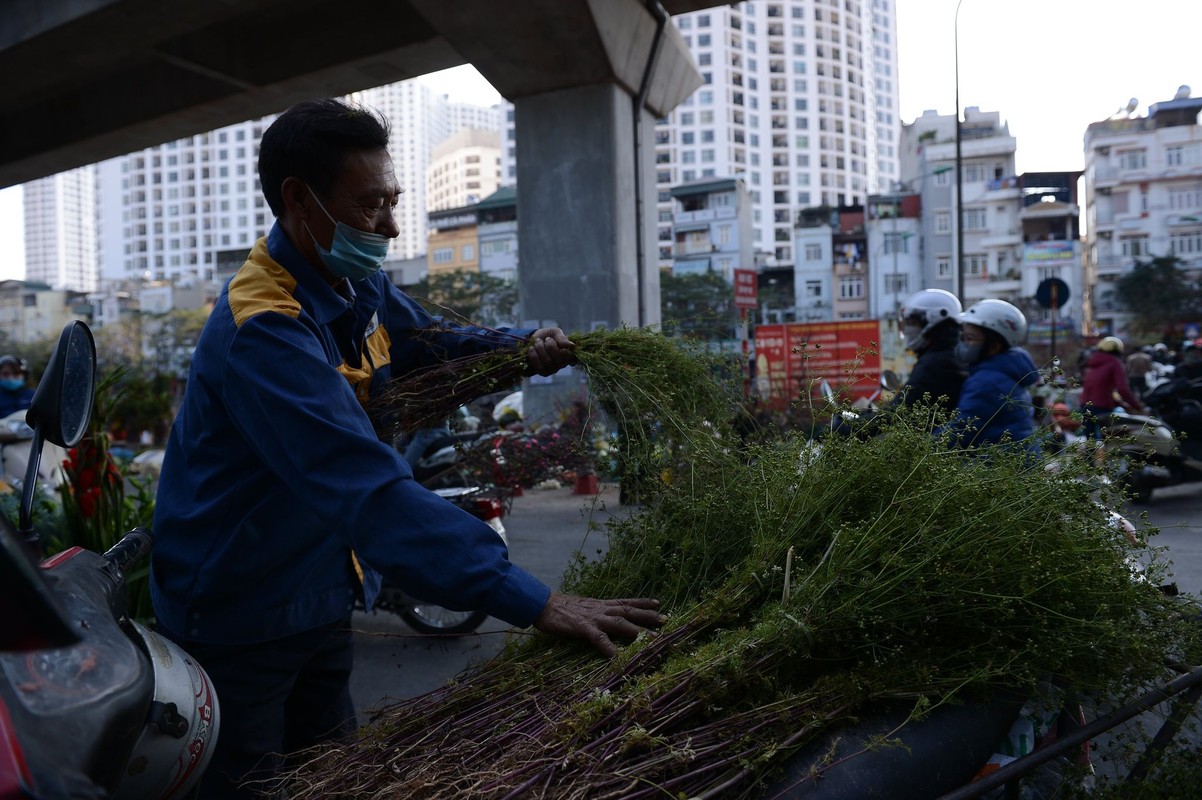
(746, 289)
(793, 359)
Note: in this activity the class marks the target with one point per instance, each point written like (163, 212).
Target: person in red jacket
(1103, 387)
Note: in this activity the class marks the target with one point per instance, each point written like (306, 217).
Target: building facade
(175, 211)
(711, 228)
(60, 230)
(800, 103)
(1143, 199)
(464, 169)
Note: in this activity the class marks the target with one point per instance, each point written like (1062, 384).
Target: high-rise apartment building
(175, 210)
(464, 169)
(60, 230)
(800, 103)
(1143, 198)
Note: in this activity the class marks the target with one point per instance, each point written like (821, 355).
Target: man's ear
(295, 194)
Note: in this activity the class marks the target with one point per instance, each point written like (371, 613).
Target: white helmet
(924, 310)
(1000, 317)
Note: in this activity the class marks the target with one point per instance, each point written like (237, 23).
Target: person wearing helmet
(1104, 385)
(15, 394)
(995, 401)
(1190, 366)
(930, 324)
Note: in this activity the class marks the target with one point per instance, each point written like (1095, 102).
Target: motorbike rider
(1105, 381)
(278, 503)
(995, 401)
(930, 323)
(15, 393)
(1190, 366)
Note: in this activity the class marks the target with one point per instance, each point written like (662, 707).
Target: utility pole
(959, 170)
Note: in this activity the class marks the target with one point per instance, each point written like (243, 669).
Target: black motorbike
(1166, 449)
(92, 704)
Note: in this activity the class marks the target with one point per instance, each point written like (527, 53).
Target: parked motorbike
(1164, 450)
(16, 440)
(92, 704)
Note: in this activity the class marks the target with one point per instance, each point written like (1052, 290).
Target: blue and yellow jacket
(273, 473)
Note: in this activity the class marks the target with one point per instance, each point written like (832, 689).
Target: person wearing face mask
(930, 324)
(278, 506)
(995, 402)
(15, 394)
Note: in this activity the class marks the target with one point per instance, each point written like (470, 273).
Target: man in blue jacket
(995, 401)
(273, 474)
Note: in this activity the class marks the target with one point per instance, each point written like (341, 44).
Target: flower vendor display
(806, 584)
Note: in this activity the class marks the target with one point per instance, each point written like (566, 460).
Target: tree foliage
(1159, 294)
(469, 296)
(698, 306)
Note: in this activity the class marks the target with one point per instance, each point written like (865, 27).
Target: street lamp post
(959, 168)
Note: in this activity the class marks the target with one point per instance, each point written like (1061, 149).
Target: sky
(1049, 67)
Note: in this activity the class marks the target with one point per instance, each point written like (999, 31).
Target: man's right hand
(596, 621)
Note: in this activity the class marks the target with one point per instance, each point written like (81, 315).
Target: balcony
(1006, 238)
(1108, 265)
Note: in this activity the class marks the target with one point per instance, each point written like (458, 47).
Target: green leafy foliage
(1159, 294)
(804, 582)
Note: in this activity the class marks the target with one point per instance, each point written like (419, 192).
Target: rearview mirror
(62, 403)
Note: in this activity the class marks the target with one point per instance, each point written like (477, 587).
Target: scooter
(92, 704)
(16, 439)
(1165, 450)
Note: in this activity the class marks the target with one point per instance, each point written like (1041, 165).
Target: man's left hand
(550, 351)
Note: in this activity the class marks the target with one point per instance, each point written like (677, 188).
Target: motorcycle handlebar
(133, 547)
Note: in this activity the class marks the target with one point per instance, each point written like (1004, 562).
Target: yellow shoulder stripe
(262, 285)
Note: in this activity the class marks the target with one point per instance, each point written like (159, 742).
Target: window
(974, 219)
(943, 266)
(851, 287)
(1131, 246)
(494, 248)
(1185, 244)
(943, 222)
(467, 252)
(1133, 159)
(813, 251)
(897, 283)
(977, 264)
(444, 255)
(897, 242)
(974, 173)
(813, 289)
(723, 234)
(943, 178)
(1185, 199)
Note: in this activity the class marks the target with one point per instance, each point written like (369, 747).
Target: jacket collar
(322, 300)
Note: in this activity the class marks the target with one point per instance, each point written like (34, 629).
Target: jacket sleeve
(420, 339)
(300, 415)
(979, 402)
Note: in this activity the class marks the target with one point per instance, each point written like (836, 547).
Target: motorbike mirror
(890, 380)
(828, 393)
(59, 412)
(62, 403)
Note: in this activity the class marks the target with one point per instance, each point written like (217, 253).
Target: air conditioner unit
(1103, 190)
(1104, 234)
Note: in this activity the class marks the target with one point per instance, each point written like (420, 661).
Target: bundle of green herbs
(805, 583)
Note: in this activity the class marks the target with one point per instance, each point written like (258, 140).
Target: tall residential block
(60, 230)
(799, 103)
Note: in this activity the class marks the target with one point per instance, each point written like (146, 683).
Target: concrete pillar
(579, 263)
(580, 266)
